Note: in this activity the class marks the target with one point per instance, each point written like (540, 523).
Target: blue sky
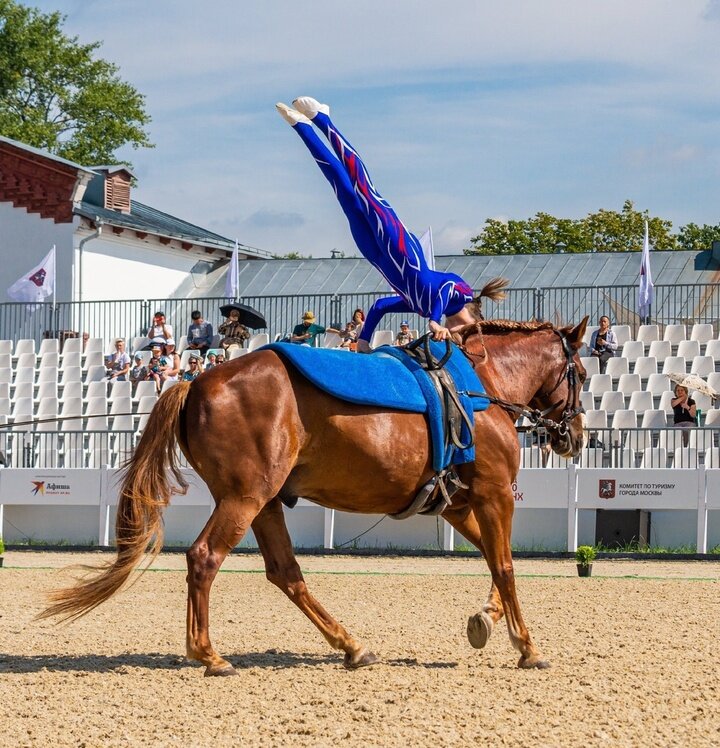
(462, 110)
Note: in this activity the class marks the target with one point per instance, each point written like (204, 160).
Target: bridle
(538, 418)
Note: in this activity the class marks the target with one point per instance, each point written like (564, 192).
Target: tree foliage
(602, 231)
(56, 95)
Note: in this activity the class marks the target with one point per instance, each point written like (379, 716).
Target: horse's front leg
(480, 625)
(224, 530)
(493, 506)
(283, 571)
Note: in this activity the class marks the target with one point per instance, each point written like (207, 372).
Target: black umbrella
(248, 316)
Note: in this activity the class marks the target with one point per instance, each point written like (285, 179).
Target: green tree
(292, 256)
(56, 95)
(698, 238)
(603, 231)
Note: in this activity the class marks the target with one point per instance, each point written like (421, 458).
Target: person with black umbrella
(233, 331)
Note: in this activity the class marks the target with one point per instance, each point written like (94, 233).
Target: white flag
(426, 243)
(645, 293)
(232, 280)
(37, 284)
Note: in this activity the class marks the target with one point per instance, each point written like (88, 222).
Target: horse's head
(559, 395)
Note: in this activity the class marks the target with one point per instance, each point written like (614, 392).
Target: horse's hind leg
(493, 507)
(480, 625)
(224, 530)
(283, 571)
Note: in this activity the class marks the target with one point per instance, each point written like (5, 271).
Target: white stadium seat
(623, 333)
(641, 401)
(72, 345)
(703, 366)
(616, 367)
(24, 345)
(674, 365)
(653, 457)
(258, 340)
(674, 333)
(633, 350)
(645, 366)
(713, 349)
(629, 383)
(712, 458)
(591, 364)
(689, 349)
(702, 332)
(661, 349)
(647, 333)
(591, 458)
(6, 346)
(382, 337)
(612, 401)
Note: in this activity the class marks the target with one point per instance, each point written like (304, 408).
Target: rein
(536, 416)
(64, 418)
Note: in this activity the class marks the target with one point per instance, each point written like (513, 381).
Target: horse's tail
(151, 476)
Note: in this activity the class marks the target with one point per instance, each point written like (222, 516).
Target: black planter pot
(584, 571)
(2, 558)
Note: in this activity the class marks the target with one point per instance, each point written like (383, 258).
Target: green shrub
(584, 555)
(2, 547)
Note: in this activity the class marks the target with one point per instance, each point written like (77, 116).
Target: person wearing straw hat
(306, 332)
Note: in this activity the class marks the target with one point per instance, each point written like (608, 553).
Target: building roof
(356, 275)
(145, 219)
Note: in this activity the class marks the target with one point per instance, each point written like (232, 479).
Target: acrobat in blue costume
(378, 232)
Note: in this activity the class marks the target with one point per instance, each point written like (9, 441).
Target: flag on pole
(426, 244)
(232, 279)
(645, 293)
(37, 284)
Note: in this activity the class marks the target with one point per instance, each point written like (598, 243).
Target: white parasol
(693, 382)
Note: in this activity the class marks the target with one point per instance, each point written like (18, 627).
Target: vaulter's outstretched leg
(396, 243)
(283, 571)
(224, 530)
(336, 174)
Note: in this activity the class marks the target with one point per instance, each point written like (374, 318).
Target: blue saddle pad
(389, 378)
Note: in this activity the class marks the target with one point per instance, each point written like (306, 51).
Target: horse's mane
(501, 326)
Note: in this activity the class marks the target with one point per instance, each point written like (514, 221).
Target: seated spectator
(352, 330)
(603, 343)
(139, 372)
(306, 332)
(118, 363)
(199, 334)
(404, 336)
(85, 338)
(219, 358)
(159, 331)
(154, 371)
(194, 368)
(210, 361)
(684, 412)
(171, 369)
(233, 331)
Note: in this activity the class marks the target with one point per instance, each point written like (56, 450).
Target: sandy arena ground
(633, 649)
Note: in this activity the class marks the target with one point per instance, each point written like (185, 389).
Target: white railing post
(572, 513)
(702, 513)
(448, 536)
(104, 519)
(329, 531)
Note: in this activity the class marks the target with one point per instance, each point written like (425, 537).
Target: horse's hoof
(361, 659)
(220, 671)
(528, 663)
(479, 628)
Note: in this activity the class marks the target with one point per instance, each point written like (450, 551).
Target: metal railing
(684, 303)
(667, 447)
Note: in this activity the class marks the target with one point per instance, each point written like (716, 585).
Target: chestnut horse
(282, 428)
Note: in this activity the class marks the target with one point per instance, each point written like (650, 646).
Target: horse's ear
(576, 335)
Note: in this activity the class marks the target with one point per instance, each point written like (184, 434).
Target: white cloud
(463, 110)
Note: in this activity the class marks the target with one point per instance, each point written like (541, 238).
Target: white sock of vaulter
(291, 116)
(310, 107)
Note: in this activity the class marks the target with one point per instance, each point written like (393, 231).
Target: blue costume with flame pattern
(380, 235)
